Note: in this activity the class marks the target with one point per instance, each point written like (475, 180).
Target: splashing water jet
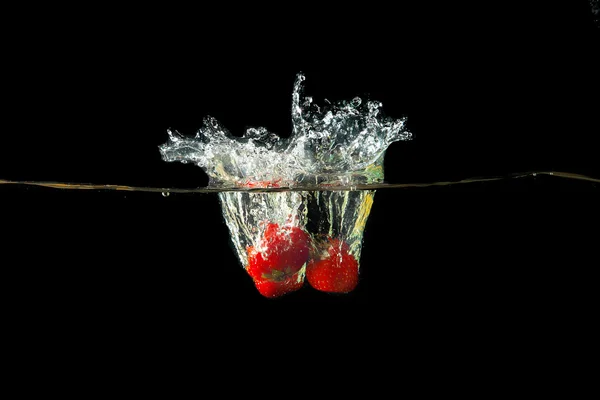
(285, 237)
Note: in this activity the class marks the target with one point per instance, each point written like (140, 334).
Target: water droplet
(534, 174)
(174, 136)
(166, 194)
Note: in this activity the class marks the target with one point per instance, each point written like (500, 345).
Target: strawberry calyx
(278, 275)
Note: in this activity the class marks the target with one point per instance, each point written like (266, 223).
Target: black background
(487, 90)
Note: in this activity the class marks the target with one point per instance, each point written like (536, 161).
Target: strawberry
(337, 272)
(276, 269)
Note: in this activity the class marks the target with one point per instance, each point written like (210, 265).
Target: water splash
(341, 143)
(282, 237)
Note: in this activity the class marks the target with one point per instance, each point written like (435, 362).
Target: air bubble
(166, 194)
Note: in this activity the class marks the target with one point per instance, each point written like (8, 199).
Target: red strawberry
(337, 273)
(275, 270)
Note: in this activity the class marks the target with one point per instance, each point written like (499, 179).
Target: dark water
(529, 241)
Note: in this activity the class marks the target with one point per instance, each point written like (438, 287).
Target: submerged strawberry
(337, 272)
(275, 269)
